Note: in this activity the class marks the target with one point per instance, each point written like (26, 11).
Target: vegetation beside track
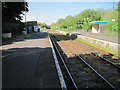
(99, 47)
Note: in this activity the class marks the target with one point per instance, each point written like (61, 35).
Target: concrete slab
(108, 42)
(29, 63)
(99, 36)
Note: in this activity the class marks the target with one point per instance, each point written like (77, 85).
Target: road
(29, 63)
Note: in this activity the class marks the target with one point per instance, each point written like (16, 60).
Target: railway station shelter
(98, 26)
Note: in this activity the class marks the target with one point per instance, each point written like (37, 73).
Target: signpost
(113, 20)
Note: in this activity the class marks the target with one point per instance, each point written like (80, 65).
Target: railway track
(66, 73)
(92, 50)
(79, 73)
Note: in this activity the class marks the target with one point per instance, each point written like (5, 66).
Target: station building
(98, 26)
(30, 26)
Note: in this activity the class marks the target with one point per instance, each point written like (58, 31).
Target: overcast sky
(50, 12)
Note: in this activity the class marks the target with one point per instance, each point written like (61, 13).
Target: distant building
(30, 26)
(98, 26)
(32, 23)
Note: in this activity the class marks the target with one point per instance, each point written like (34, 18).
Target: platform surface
(99, 36)
(29, 63)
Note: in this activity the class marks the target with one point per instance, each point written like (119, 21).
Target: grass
(99, 47)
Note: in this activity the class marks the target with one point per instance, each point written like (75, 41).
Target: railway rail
(67, 38)
(107, 69)
(67, 75)
(78, 66)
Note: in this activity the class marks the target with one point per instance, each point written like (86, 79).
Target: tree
(94, 15)
(69, 21)
(73, 22)
(11, 11)
(11, 16)
(118, 7)
(86, 23)
(61, 23)
(42, 25)
(110, 14)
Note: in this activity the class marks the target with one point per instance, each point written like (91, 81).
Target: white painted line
(60, 75)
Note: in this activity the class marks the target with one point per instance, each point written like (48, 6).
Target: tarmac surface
(99, 36)
(29, 63)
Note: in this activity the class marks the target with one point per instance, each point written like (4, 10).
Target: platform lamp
(37, 16)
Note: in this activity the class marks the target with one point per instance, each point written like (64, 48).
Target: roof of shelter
(98, 22)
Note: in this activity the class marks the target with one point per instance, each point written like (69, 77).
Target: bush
(113, 24)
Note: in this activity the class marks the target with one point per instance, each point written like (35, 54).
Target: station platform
(29, 63)
(107, 42)
(99, 36)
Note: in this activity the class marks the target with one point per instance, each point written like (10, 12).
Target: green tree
(69, 21)
(12, 11)
(61, 23)
(118, 7)
(42, 25)
(110, 14)
(74, 22)
(86, 23)
(94, 15)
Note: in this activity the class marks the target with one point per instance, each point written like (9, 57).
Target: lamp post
(37, 17)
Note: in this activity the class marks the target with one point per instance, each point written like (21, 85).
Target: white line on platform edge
(60, 75)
